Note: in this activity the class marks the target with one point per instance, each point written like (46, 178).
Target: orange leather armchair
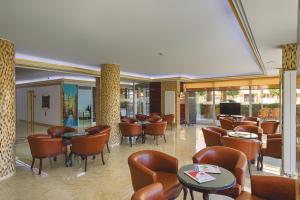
(154, 114)
(270, 188)
(43, 146)
(156, 129)
(128, 120)
(241, 123)
(169, 119)
(250, 148)
(150, 192)
(155, 119)
(269, 127)
(88, 145)
(233, 160)
(273, 149)
(141, 117)
(251, 129)
(130, 130)
(213, 135)
(148, 167)
(254, 119)
(226, 123)
(101, 129)
(58, 131)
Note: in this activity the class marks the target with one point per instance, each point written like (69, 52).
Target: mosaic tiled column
(110, 100)
(7, 109)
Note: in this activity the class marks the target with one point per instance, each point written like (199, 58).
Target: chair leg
(54, 158)
(41, 165)
(171, 126)
(102, 158)
(130, 140)
(165, 139)
(50, 160)
(85, 164)
(156, 138)
(192, 194)
(32, 163)
(71, 159)
(94, 157)
(107, 147)
(121, 139)
(184, 193)
(249, 168)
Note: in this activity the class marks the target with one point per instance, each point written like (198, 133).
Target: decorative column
(7, 109)
(110, 100)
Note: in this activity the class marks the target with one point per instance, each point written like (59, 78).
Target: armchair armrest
(274, 148)
(167, 163)
(240, 169)
(273, 187)
(153, 191)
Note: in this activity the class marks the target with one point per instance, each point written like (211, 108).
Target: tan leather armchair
(213, 135)
(88, 145)
(43, 146)
(150, 192)
(273, 149)
(130, 130)
(226, 123)
(270, 188)
(233, 160)
(169, 119)
(269, 127)
(58, 131)
(156, 129)
(250, 148)
(149, 166)
(101, 129)
(155, 119)
(128, 120)
(254, 119)
(251, 129)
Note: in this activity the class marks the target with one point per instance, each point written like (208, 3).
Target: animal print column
(289, 56)
(110, 100)
(7, 109)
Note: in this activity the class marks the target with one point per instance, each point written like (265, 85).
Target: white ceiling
(273, 23)
(198, 38)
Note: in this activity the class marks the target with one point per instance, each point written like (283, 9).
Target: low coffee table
(242, 135)
(223, 181)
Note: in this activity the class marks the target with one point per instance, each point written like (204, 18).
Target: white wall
(53, 114)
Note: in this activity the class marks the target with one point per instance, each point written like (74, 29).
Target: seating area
(150, 100)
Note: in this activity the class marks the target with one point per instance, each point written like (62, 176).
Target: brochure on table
(200, 173)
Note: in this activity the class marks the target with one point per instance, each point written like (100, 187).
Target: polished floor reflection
(109, 181)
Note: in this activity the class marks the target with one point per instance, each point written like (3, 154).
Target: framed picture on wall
(46, 101)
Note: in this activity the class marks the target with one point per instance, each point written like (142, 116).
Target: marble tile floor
(108, 182)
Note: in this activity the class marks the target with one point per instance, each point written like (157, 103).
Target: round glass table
(224, 180)
(242, 135)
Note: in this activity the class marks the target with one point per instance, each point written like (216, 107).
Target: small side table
(223, 181)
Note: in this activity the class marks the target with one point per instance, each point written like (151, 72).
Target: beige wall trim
(30, 64)
(40, 83)
(37, 123)
(239, 12)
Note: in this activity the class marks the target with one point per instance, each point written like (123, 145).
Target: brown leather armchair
(250, 148)
(154, 114)
(213, 135)
(58, 131)
(141, 117)
(241, 123)
(130, 130)
(233, 160)
(251, 129)
(226, 123)
(155, 119)
(269, 127)
(270, 188)
(88, 145)
(169, 119)
(254, 119)
(156, 129)
(149, 166)
(273, 149)
(101, 129)
(150, 192)
(128, 120)
(43, 146)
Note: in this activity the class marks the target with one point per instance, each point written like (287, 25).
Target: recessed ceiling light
(160, 53)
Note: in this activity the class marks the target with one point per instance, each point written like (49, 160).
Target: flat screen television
(230, 108)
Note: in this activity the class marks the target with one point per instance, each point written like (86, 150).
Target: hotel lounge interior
(149, 100)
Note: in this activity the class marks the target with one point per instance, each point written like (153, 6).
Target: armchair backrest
(213, 135)
(226, 124)
(88, 144)
(42, 146)
(128, 129)
(241, 123)
(169, 118)
(141, 117)
(269, 127)
(58, 131)
(158, 128)
(231, 159)
(251, 129)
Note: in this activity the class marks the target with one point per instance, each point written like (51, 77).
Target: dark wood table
(223, 181)
(242, 135)
(143, 123)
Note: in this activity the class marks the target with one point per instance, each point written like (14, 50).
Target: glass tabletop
(224, 180)
(69, 135)
(245, 135)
